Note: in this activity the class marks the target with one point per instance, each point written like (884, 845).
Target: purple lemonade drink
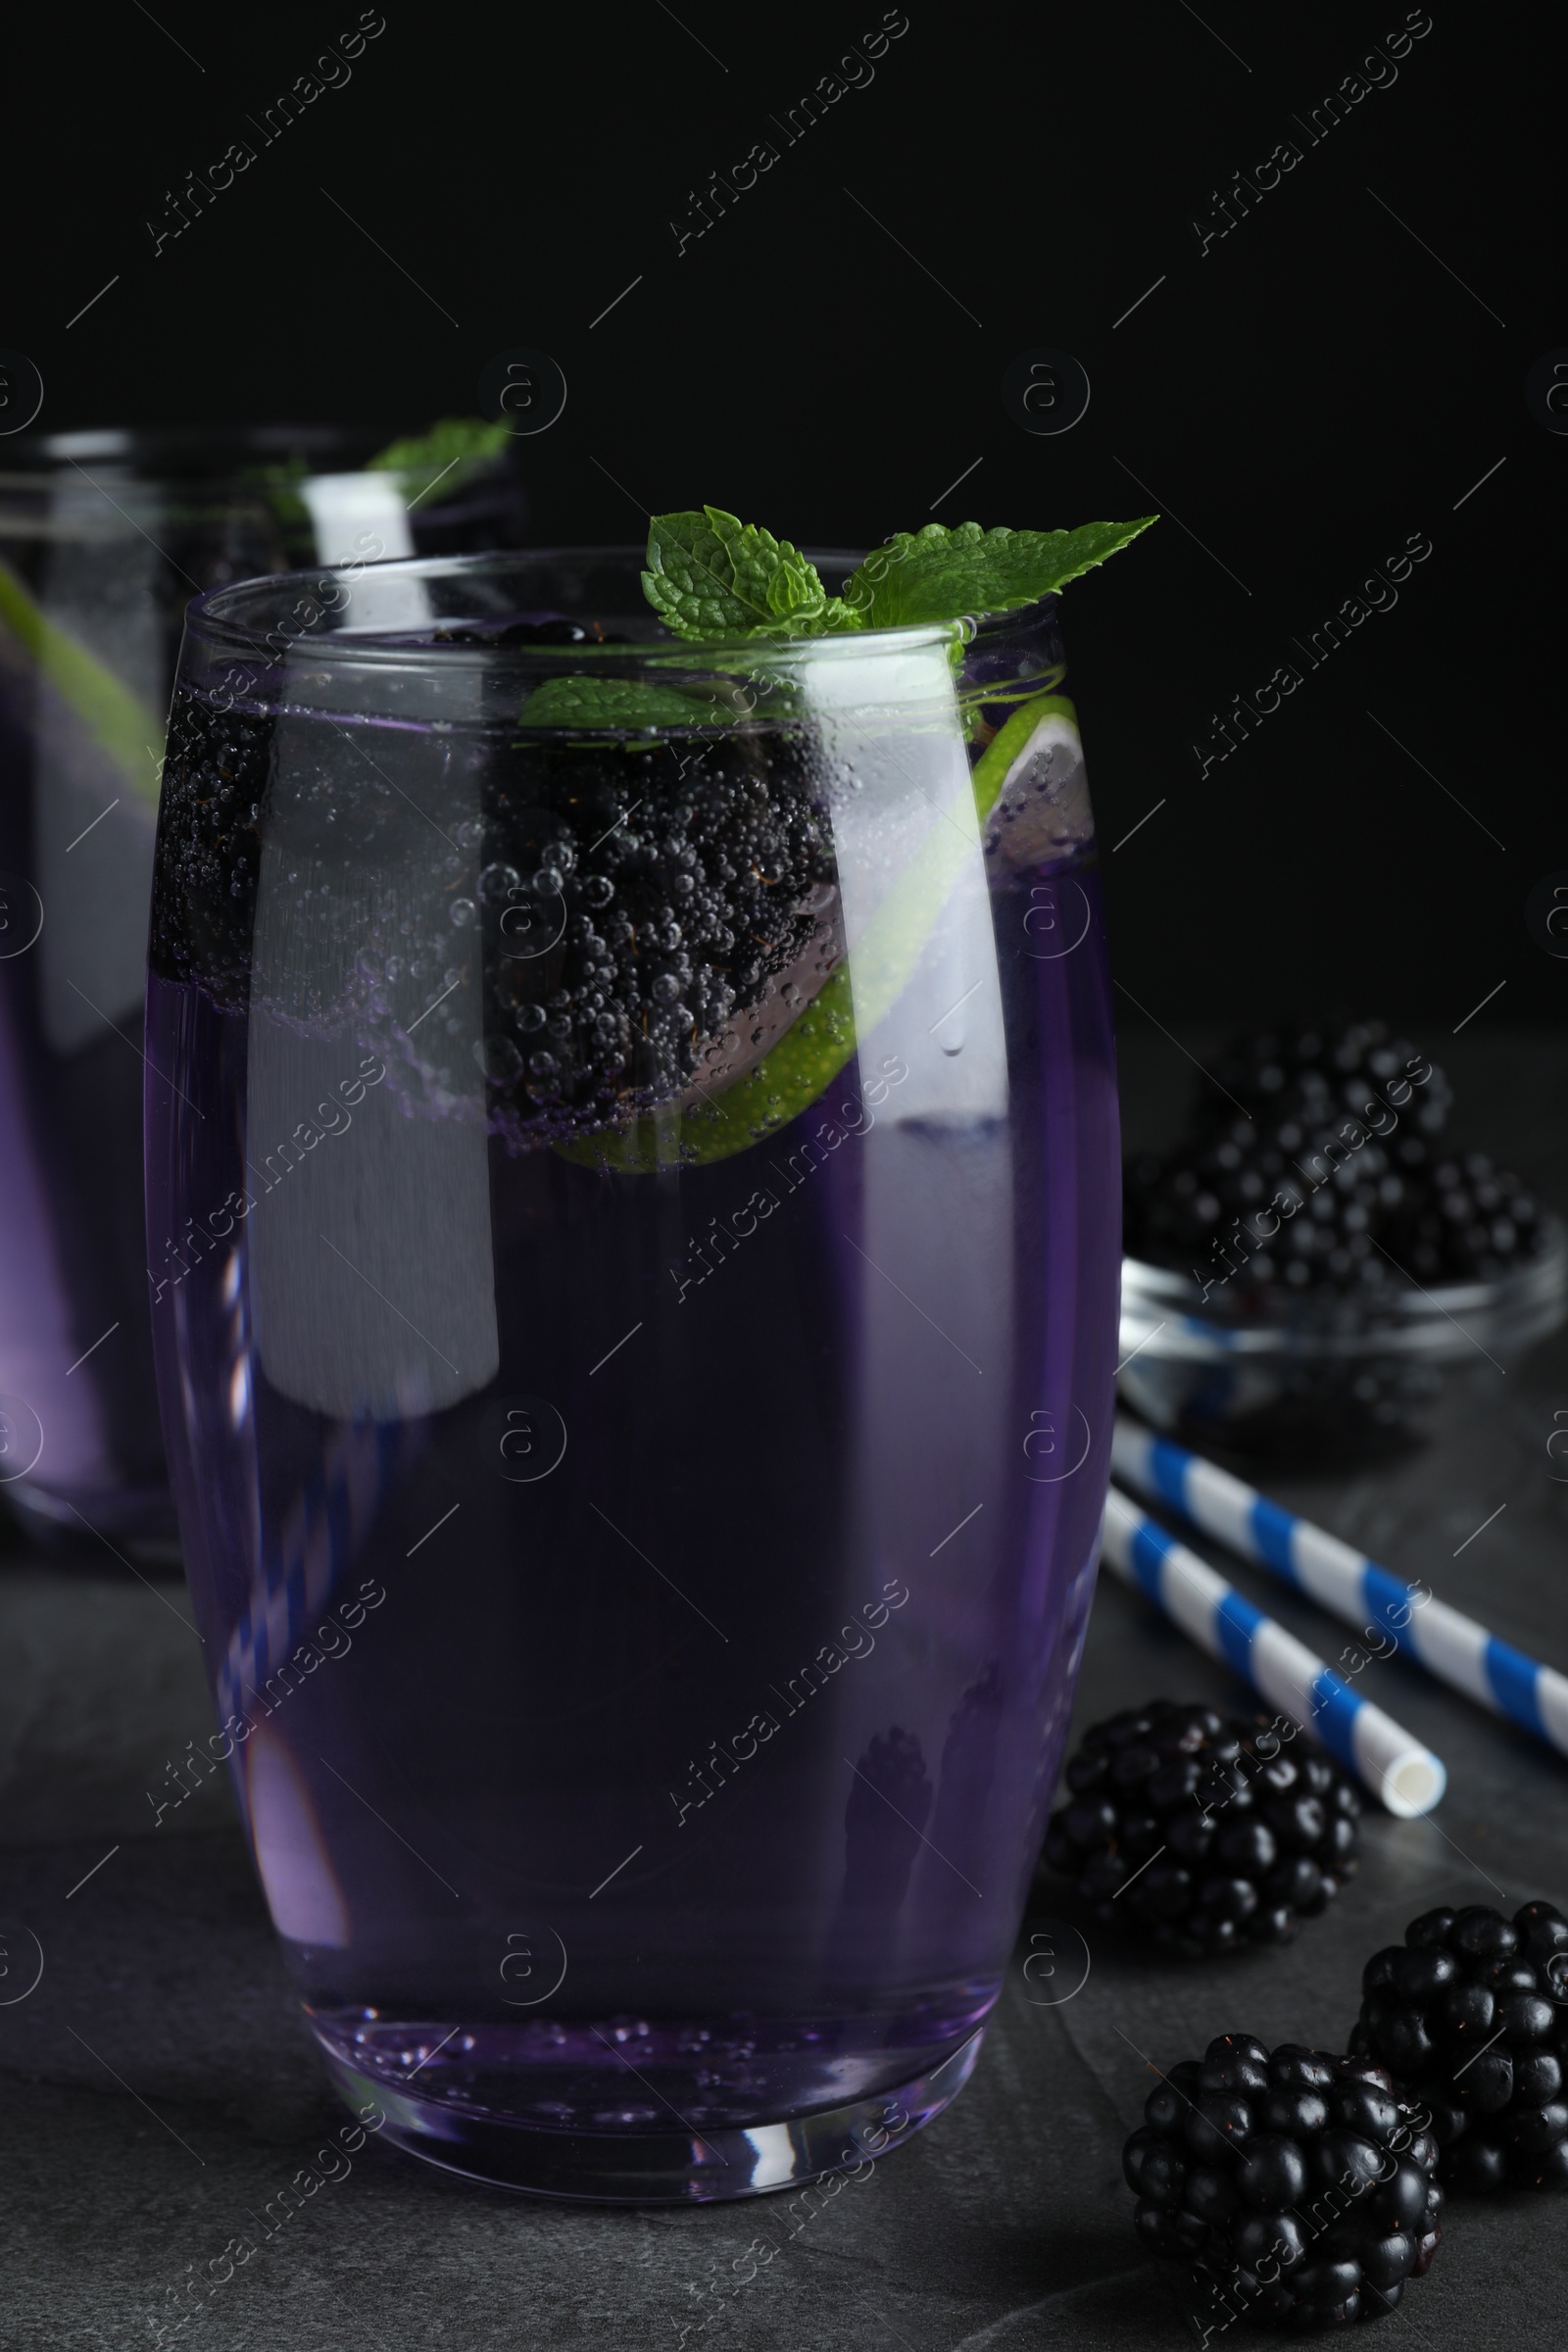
(637, 1210)
(103, 535)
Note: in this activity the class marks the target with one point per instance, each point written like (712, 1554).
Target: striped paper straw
(1401, 1773)
(1454, 1648)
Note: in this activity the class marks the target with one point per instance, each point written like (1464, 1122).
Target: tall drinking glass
(103, 537)
(632, 1153)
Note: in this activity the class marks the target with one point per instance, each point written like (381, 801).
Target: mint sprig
(627, 704)
(451, 450)
(711, 575)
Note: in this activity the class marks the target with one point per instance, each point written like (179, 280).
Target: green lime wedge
(1015, 741)
(118, 721)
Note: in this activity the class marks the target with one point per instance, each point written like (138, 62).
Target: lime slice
(813, 1051)
(1030, 787)
(118, 721)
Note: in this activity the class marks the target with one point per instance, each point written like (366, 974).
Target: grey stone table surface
(158, 2088)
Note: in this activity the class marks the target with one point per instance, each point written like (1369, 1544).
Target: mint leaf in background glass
(624, 702)
(940, 574)
(711, 576)
(450, 451)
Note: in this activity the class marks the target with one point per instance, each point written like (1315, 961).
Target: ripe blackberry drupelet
(1201, 1833)
(1298, 2185)
(1470, 2011)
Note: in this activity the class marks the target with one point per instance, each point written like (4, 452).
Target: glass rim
(211, 619)
(207, 455)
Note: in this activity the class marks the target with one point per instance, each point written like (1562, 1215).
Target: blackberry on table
(1200, 1833)
(1315, 1073)
(1470, 2011)
(1297, 2184)
(1268, 1207)
(1322, 1175)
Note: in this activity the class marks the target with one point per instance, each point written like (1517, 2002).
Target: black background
(1309, 393)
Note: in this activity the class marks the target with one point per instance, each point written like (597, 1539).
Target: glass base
(682, 2167)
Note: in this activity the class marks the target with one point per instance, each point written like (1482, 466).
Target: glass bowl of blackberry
(1314, 1254)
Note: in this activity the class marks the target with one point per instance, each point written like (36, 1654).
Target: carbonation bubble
(496, 881)
(462, 913)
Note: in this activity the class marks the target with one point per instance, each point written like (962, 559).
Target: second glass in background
(104, 538)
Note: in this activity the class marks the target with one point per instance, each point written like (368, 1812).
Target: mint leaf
(449, 453)
(940, 574)
(628, 703)
(711, 576)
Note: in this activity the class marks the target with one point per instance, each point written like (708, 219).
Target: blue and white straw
(1401, 1773)
(1454, 1648)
